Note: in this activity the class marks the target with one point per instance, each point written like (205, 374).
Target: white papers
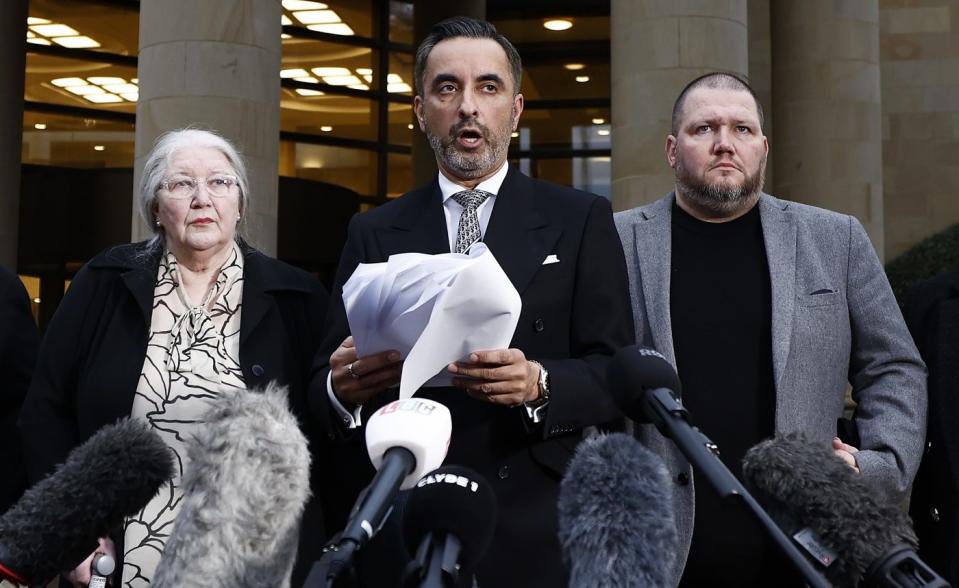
(433, 309)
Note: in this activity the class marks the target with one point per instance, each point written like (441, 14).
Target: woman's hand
(80, 575)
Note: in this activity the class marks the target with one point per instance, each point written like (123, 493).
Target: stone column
(215, 64)
(658, 46)
(13, 32)
(826, 97)
(427, 13)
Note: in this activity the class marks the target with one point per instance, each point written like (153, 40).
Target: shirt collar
(491, 185)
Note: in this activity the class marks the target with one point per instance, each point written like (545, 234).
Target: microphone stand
(436, 564)
(672, 419)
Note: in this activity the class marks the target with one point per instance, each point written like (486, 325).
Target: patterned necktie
(468, 231)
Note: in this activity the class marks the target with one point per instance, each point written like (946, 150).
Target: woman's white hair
(157, 165)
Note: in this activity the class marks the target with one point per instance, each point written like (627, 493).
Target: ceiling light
(574, 66)
(359, 86)
(598, 121)
(303, 5)
(410, 126)
(54, 30)
(582, 79)
(330, 71)
(102, 80)
(40, 126)
(32, 20)
(104, 98)
(130, 96)
(341, 80)
(285, 36)
(98, 147)
(285, 20)
(293, 73)
(121, 88)
(368, 78)
(364, 71)
(309, 79)
(514, 134)
(79, 42)
(393, 79)
(558, 24)
(338, 28)
(36, 301)
(309, 17)
(399, 88)
(39, 41)
(85, 90)
(603, 132)
(326, 129)
(67, 82)
(307, 92)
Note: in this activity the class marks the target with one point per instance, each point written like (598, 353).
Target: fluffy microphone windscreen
(616, 524)
(56, 523)
(802, 484)
(244, 490)
(634, 369)
(454, 500)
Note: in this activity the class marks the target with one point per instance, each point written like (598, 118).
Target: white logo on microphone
(461, 481)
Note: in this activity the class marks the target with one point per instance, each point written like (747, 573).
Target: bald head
(717, 81)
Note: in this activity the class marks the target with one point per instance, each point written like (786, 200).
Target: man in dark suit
(932, 314)
(18, 352)
(520, 417)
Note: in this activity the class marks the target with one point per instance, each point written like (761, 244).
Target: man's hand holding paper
(430, 311)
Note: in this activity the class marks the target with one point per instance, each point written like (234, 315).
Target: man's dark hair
(463, 26)
(720, 80)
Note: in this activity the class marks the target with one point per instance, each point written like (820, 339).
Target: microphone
(244, 490)
(450, 518)
(830, 510)
(616, 524)
(405, 439)
(638, 378)
(56, 523)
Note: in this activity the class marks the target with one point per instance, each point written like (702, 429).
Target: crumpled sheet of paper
(433, 309)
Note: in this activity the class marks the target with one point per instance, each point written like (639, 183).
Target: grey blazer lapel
(779, 234)
(653, 237)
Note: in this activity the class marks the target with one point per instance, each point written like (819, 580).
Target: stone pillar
(215, 64)
(658, 46)
(826, 97)
(427, 13)
(13, 32)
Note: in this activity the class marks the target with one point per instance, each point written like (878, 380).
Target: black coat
(932, 314)
(93, 351)
(18, 352)
(576, 314)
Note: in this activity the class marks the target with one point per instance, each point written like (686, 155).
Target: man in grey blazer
(767, 309)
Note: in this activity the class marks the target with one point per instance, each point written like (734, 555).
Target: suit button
(934, 514)
(682, 479)
(257, 370)
(503, 472)
(928, 447)
(538, 325)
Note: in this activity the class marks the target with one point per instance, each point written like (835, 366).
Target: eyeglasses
(218, 186)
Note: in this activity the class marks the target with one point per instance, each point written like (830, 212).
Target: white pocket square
(550, 259)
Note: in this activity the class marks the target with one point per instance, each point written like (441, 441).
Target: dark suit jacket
(18, 352)
(575, 315)
(932, 314)
(93, 351)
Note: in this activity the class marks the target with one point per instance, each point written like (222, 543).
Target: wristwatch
(543, 387)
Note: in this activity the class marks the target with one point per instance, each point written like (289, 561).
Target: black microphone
(616, 524)
(829, 509)
(244, 489)
(449, 519)
(57, 522)
(636, 377)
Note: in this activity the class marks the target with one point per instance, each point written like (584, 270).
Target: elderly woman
(155, 330)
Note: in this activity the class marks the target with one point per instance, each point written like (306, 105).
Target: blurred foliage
(930, 257)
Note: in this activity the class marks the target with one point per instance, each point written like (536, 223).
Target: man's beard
(477, 164)
(718, 199)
